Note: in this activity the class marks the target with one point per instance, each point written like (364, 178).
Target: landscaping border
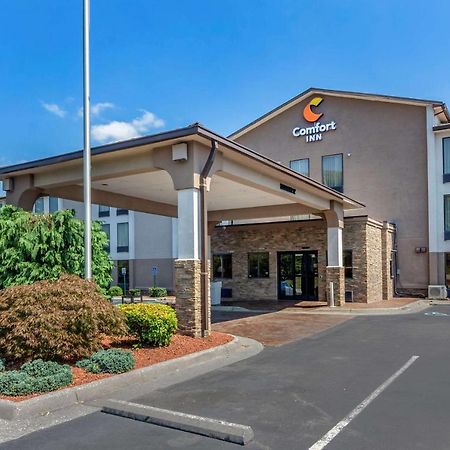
(161, 374)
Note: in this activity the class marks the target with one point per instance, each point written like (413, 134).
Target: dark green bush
(108, 361)
(115, 291)
(135, 292)
(56, 320)
(151, 324)
(2, 365)
(35, 376)
(157, 292)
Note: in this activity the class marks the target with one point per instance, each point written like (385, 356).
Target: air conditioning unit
(437, 292)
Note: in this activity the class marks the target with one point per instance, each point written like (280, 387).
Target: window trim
(342, 170)
(445, 176)
(301, 159)
(259, 276)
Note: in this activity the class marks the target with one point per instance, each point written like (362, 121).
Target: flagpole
(87, 143)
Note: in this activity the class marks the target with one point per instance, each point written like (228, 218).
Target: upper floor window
(446, 156)
(121, 212)
(52, 204)
(122, 237)
(333, 172)
(447, 217)
(301, 166)
(103, 211)
(107, 229)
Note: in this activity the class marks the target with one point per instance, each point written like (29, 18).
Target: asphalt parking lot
(293, 395)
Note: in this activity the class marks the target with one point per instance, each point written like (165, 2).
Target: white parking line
(327, 438)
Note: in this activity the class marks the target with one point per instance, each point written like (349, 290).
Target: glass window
(446, 156)
(258, 265)
(348, 263)
(333, 172)
(301, 166)
(107, 229)
(122, 237)
(447, 217)
(52, 204)
(39, 206)
(222, 266)
(103, 211)
(121, 212)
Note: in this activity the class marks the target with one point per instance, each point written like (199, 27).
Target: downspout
(204, 238)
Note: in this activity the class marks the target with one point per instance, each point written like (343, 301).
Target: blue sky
(164, 64)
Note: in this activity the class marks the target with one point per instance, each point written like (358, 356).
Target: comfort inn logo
(314, 132)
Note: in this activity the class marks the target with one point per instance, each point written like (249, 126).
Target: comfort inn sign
(314, 132)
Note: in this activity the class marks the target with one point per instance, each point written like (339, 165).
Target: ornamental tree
(36, 247)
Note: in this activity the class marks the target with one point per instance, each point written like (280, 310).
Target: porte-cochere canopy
(196, 175)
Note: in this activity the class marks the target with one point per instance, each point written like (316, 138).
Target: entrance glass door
(297, 275)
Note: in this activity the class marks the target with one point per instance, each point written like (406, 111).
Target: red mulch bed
(145, 356)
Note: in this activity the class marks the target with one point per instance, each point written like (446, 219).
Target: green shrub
(2, 365)
(108, 361)
(151, 324)
(135, 292)
(157, 292)
(56, 320)
(36, 376)
(37, 247)
(115, 291)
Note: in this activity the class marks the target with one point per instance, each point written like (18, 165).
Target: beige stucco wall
(387, 169)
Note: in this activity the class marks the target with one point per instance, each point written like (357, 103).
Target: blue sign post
(154, 272)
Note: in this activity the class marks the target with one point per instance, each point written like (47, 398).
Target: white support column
(334, 245)
(188, 224)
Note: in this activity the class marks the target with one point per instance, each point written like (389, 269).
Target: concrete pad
(216, 429)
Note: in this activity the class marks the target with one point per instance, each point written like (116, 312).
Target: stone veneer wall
(271, 237)
(361, 235)
(188, 296)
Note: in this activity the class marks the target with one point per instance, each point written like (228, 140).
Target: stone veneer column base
(336, 275)
(188, 296)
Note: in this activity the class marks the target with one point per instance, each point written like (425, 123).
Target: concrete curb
(213, 428)
(141, 380)
(411, 308)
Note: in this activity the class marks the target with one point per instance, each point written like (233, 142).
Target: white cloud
(54, 109)
(97, 108)
(119, 131)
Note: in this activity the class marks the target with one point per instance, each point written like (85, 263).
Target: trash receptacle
(216, 292)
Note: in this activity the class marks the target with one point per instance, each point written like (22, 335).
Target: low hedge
(108, 361)
(135, 292)
(157, 292)
(36, 376)
(115, 291)
(151, 324)
(2, 365)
